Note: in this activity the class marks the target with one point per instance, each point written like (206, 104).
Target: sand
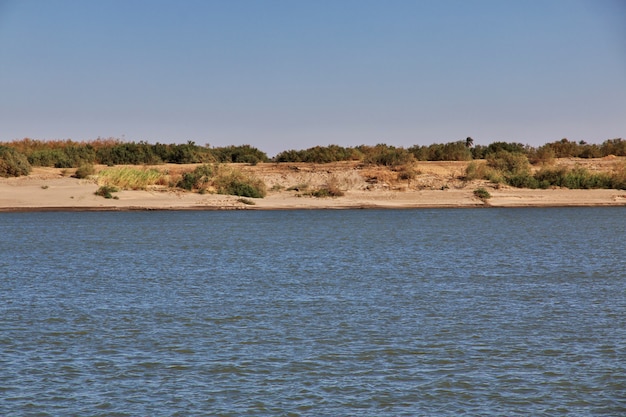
(436, 186)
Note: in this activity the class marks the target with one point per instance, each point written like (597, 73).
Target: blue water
(314, 313)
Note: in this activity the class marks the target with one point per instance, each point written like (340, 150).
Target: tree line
(73, 154)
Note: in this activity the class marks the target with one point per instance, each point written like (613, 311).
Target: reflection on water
(412, 312)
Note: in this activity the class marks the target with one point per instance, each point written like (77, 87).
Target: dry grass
(131, 178)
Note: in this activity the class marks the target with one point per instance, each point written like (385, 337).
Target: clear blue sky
(291, 74)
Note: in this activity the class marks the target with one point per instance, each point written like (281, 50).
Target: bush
(225, 180)
(578, 178)
(512, 147)
(551, 176)
(482, 193)
(544, 156)
(386, 155)
(319, 155)
(49, 158)
(13, 163)
(106, 191)
(84, 171)
(197, 179)
(481, 171)
(452, 151)
(407, 172)
(241, 188)
(581, 178)
(522, 180)
(237, 183)
(509, 163)
(615, 147)
(618, 177)
(242, 154)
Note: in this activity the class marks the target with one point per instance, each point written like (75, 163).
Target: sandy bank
(47, 189)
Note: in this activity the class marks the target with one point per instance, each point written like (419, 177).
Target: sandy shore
(46, 189)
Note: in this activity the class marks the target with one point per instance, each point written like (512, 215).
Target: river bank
(437, 184)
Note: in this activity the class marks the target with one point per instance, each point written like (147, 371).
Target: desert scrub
(85, 171)
(509, 163)
(407, 172)
(386, 155)
(331, 189)
(107, 191)
(576, 178)
(13, 163)
(477, 171)
(235, 182)
(482, 193)
(224, 180)
(325, 192)
(129, 178)
(198, 179)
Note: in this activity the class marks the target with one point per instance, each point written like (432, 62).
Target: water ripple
(317, 313)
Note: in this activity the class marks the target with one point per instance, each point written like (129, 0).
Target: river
(314, 313)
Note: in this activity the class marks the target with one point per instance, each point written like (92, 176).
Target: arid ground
(435, 184)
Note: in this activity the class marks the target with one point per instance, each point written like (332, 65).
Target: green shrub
(238, 184)
(522, 180)
(543, 155)
(386, 155)
(452, 151)
(13, 163)
(509, 163)
(482, 193)
(319, 155)
(551, 176)
(481, 171)
(475, 171)
(106, 191)
(618, 177)
(49, 158)
(615, 147)
(582, 178)
(85, 170)
(578, 178)
(242, 154)
(198, 178)
(510, 147)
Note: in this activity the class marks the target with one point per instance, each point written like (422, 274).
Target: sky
(293, 74)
